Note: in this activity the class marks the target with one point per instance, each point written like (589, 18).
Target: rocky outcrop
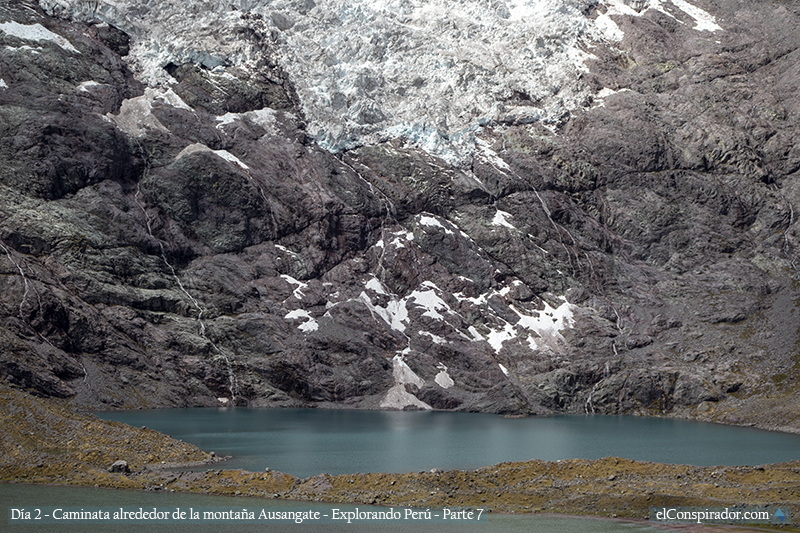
(188, 243)
(119, 467)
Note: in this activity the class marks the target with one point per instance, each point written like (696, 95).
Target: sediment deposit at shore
(44, 443)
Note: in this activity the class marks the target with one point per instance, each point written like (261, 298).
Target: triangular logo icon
(780, 516)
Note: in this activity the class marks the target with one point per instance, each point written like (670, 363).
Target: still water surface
(306, 442)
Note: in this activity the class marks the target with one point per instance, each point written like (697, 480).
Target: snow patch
(168, 96)
(394, 314)
(403, 374)
(136, 114)
(433, 222)
(546, 324)
(619, 7)
(497, 337)
(285, 249)
(306, 327)
(398, 397)
(501, 219)
(3, 84)
(491, 156)
(429, 301)
(36, 32)
(24, 48)
(375, 285)
(224, 154)
(85, 86)
(298, 291)
(475, 334)
(609, 28)
(262, 117)
(401, 236)
(503, 369)
(228, 118)
(480, 300)
(435, 338)
(604, 93)
(443, 379)
(550, 320)
(703, 20)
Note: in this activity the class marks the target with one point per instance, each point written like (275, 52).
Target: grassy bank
(42, 442)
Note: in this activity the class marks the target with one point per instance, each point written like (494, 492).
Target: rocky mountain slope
(535, 208)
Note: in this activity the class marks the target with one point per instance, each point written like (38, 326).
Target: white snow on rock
(86, 86)
(135, 115)
(545, 325)
(261, 117)
(3, 84)
(396, 311)
(168, 96)
(309, 325)
(443, 379)
(480, 300)
(298, 291)
(548, 325)
(605, 92)
(36, 32)
(497, 337)
(24, 48)
(375, 285)
(224, 154)
(286, 250)
(433, 221)
(430, 301)
(394, 314)
(503, 369)
(403, 374)
(432, 72)
(609, 28)
(435, 338)
(501, 219)
(400, 237)
(704, 21)
(398, 397)
(490, 155)
(476, 334)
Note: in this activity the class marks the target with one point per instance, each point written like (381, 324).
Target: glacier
(429, 72)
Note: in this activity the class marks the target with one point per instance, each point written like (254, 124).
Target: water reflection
(306, 442)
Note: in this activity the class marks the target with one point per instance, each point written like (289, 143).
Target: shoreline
(329, 406)
(45, 443)
(578, 488)
(689, 528)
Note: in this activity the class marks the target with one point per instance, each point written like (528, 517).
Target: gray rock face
(190, 244)
(119, 467)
